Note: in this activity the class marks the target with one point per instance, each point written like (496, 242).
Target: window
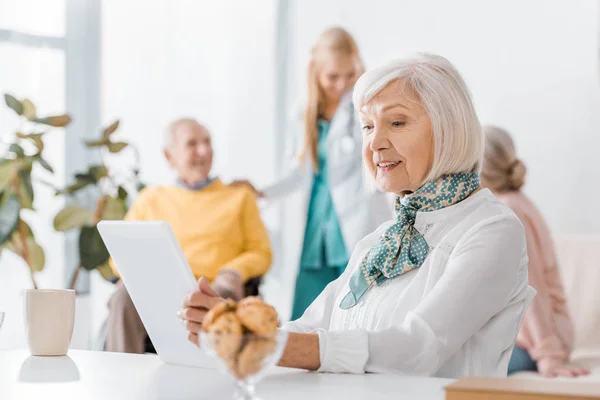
(34, 17)
(40, 40)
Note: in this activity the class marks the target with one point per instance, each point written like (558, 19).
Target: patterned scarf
(402, 247)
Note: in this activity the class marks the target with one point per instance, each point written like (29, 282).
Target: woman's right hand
(244, 182)
(553, 367)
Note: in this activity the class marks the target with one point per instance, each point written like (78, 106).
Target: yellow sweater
(217, 227)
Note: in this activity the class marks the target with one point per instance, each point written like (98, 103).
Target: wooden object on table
(520, 389)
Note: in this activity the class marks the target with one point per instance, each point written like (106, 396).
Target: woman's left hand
(196, 305)
(244, 182)
(552, 368)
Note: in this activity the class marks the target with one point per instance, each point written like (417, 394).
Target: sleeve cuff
(238, 269)
(343, 351)
(550, 346)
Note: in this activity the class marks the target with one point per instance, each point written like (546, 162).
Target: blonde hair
(332, 42)
(502, 170)
(441, 91)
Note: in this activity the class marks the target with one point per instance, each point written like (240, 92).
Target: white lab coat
(360, 209)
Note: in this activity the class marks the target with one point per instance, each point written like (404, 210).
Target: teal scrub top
(323, 240)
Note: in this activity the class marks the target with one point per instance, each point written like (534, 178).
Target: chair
(579, 265)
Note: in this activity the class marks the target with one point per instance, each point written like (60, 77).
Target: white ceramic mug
(49, 320)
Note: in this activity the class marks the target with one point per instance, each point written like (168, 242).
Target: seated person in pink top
(546, 337)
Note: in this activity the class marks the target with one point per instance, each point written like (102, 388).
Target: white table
(97, 375)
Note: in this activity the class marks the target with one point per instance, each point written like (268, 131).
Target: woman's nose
(379, 140)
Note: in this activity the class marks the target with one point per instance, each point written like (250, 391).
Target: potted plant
(112, 189)
(24, 150)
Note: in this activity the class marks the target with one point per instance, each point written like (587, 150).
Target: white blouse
(457, 315)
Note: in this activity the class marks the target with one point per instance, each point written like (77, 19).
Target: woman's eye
(367, 128)
(398, 123)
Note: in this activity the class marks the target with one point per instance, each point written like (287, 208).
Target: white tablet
(157, 277)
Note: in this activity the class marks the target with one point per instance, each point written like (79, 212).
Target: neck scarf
(402, 247)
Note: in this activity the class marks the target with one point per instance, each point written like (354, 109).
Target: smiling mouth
(387, 166)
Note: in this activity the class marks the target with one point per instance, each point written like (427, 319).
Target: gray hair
(169, 134)
(441, 91)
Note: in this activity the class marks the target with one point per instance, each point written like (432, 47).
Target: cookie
(259, 318)
(250, 300)
(216, 312)
(232, 365)
(252, 357)
(225, 335)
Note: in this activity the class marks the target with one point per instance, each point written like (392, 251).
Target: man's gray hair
(441, 91)
(169, 134)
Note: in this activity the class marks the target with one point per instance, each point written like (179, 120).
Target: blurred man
(217, 226)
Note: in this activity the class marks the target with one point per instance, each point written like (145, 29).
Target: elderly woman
(546, 336)
(440, 290)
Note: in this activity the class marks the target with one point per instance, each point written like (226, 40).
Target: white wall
(532, 67)
(210, 60)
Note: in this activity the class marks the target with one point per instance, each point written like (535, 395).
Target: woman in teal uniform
(324, 254)
(336, 209)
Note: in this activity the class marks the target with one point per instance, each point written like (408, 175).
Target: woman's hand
(244, 182)
(196, 305)
(553, 367)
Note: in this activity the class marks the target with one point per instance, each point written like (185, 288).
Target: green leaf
(13, 103)
(28, 230)
(77, 186)
(96, 143)
(26, 165)
(114, 209)
(117, 147)
(9, 216)
(29, 110)
(106, 271)
(94, 173)
(85, 178)
(17, 150)
(72, 217)
(27, 195)
(122, 194)
(9, 244)
(98, 172)
(45, 164)
(37, 258)
(110, 129)
(6, 167)
(92, 251)
(58, 121)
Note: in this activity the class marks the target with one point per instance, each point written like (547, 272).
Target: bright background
(239, 67)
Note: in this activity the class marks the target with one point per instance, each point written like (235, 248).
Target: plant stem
(25, 247)
(23, 235)
(75, 276)
(111, 179)
(99, 209)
